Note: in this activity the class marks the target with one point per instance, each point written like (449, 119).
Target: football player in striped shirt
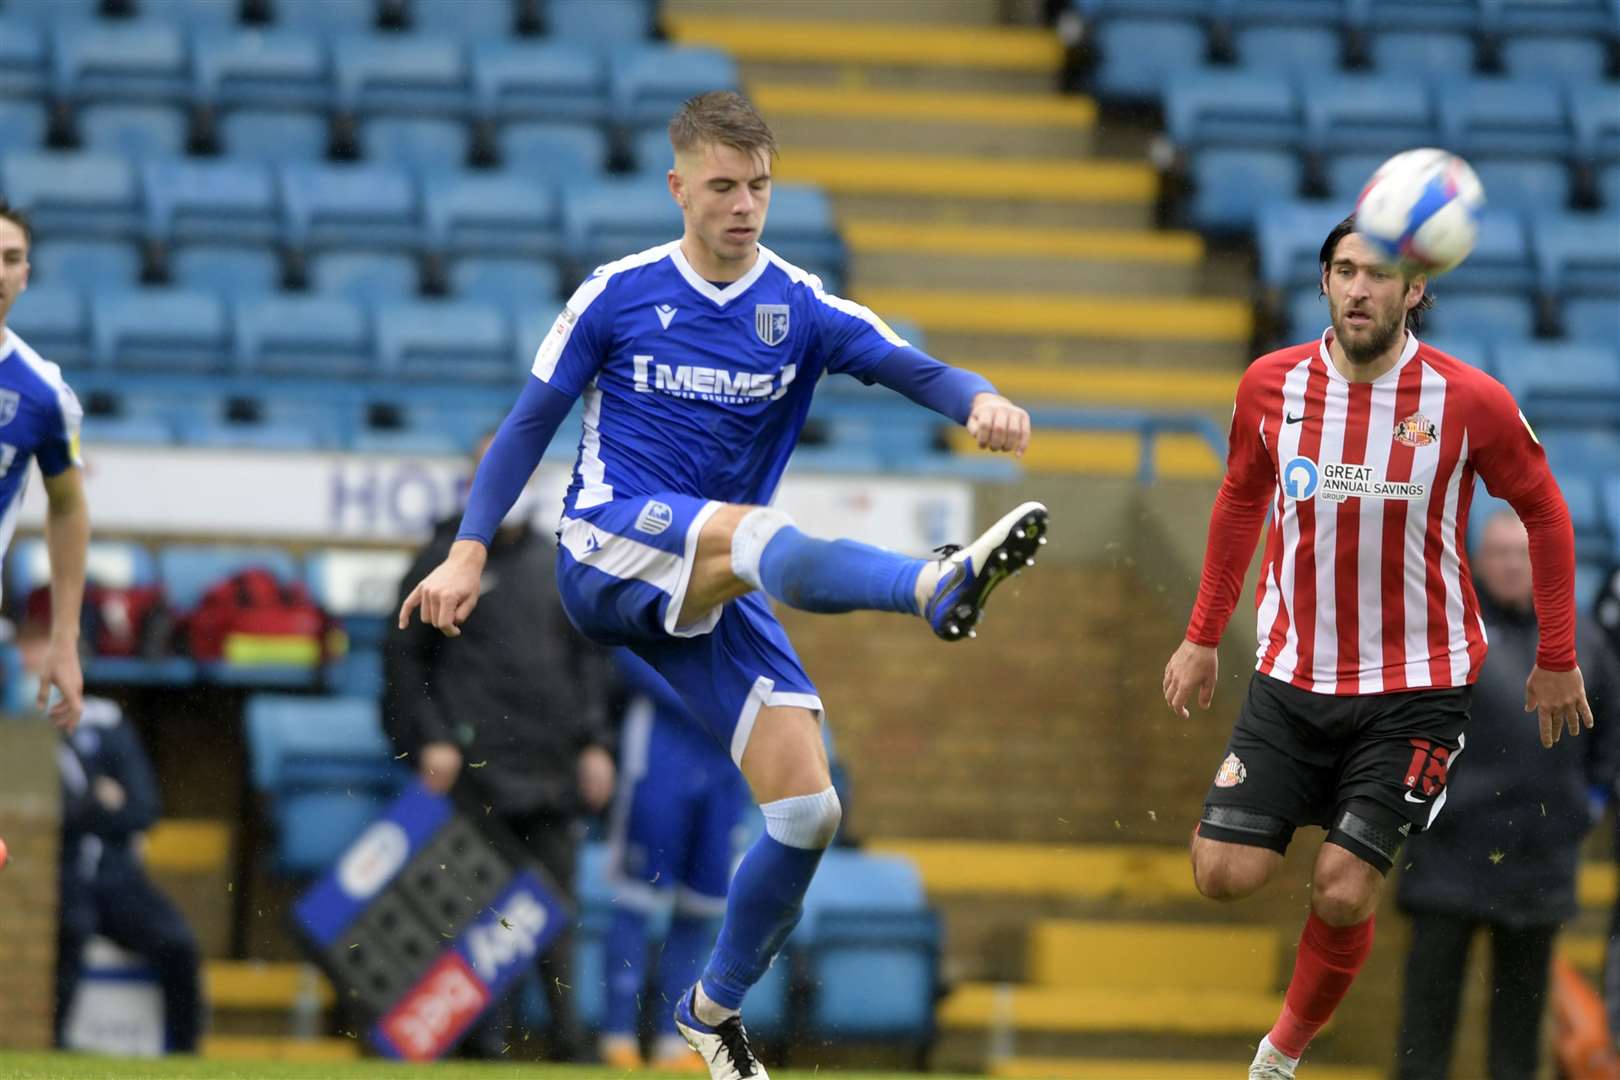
(1363, 446)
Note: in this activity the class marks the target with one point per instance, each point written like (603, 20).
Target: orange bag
(1582, 1045)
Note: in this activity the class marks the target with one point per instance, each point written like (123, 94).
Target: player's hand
(449, 594)
(597, 775)
(1559, 698)
(1192, 667)
(439, 763)
(62, 671)
(998, 424)
(109, 793)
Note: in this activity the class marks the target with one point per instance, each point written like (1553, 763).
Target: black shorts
(1301, 758)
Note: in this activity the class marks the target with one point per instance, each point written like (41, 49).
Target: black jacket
(98, 842)
(520, 691)
(1505, 846)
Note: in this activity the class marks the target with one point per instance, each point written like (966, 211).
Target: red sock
(1329, 958)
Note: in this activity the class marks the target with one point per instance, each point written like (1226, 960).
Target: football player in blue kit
(39, 421)
(696, 361)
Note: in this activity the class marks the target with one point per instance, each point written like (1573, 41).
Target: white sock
(710, 1012)
(927, 582)
(1266, 1048)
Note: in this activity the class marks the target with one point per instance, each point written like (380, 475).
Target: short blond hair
(723, 118)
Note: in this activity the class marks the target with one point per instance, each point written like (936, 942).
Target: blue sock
(689, 940)
(831, 576)
(763, 907)
(624, 964)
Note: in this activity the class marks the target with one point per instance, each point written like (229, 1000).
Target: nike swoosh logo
(1287, 419)
(1409, 798)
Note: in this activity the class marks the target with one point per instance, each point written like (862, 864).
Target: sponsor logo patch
(1335, 482)
(1232, 772)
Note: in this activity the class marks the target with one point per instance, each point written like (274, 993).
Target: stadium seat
(503, 213)
(650, 82)
(1307, 314)
(1138, 57)
(1563, 383)
(558, 153)
(1230, 186)
(270, 135)
(422, 145)
(222, 201)
(1498, 316)
(210, 15)
(804, 232)
(414, 75)
(1347, 174)
(23, 124)
(98, 265)
(46, 12)
(221, 435)
(1608, 184)
(1513, 18)
(135, 131)
(509, 284)
(1367, 113)
(160, 330)
(1396, 53)
(540, 81)
(73, 194)
(614, 218)
(1103, 12)
(358, 206)
(1609, 493)
(469, 19)
(1526, 185)
(1470, 350)
(1458, 15)
(1507, 117)
(52, 319)
(1595, 319)
(1232, 108)
(234, 271)
(1556, 58)
(1288, 49)
(108, 60)
(260, 69)
(1574, 452)
(365, 276)
(126, 431)
(1578, 254)
(303, 335)
(1500, 261)
(605, 22)
(457, 340)
(650, 152)
(189, 570)
(119, 564)
(23, 56)
(327, 16)
(1289, 238)
(1595, 112)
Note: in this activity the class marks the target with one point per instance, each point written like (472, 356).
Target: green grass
(82, 1067)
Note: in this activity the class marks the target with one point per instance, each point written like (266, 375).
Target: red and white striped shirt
(1365, 587)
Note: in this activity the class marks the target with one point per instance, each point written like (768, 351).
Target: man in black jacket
(1503, 854)
(512, 722)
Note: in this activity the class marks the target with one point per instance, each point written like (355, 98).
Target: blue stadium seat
(1347, 174)
(209, 15)
(1559, 383)
(327, 16)
(1558, 58)
(361, 206)
(260, 69)
(1595, 111)
(1290, 50)
(230, 270)
(614, 218)
(423, 145)
(135, 131)
(365, 276)
(406, 441)
(1572, 452)
(1594, 319)
(1138, 57)
(303, 335)
(46, 12)
(106, 60)
(97, 265)
(1609, 494)
(1289, 237)
(1103, 12)
(73, 194)
(271, 135)
(1578, 254)
(542, 81)
(1417, 53)
(602, 21)
(413, 75)
(1524, 184)
(492, 213)
(1498, 316)
(189, 570)
(651, 153)
(1500, 261)
(23, 124)
(1367, 113)
(1512, 18)
(445, 340)
(160, 330)
(23, 57)
(1608, 184)
(804, 232)
(1230, 185)
(1457, 15)
(650, 82)
(469, 19)
(1503, 116)
(507, 283)
(1232, 108)
(126, 431)
(52, 319)
(118, 564)
(1307, 314)
(1470, 350)
(222, 201)
(279, 435)
(559, 153)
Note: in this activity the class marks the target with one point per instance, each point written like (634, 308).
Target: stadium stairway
(993, 213)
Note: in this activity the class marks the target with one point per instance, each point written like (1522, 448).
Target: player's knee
(1344, 899)
(1223, 878)
(754, 530)
(804, 821)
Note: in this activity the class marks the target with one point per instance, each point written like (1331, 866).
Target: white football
(1421, 209)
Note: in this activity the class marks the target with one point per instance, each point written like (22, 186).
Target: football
(1421, 209)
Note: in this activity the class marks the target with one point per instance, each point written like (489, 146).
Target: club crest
(1416, 430)
(9, 400)
(771, 323)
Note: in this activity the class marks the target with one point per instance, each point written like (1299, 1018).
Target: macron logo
(666, 315)
(711, 384)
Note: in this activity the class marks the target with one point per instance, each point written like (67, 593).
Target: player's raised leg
(742, 548)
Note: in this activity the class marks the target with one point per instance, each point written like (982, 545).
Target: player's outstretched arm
(999, 425)
(1559, 700)
(67, 539)
(963, 396)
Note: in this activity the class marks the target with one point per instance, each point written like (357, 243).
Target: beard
(1379, 336)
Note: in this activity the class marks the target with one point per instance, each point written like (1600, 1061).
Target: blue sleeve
(931, 383)
(58, 451)
(853, 339)
(511, 459)
(577, 344)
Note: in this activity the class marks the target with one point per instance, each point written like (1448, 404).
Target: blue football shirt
(39, 418)
(693, 388)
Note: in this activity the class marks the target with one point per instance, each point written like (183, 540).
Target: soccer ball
(1421, 209)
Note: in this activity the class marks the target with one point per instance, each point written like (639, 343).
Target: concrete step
(957, 12)
(1137, 1069)
(973, 179)
(1137, 873)
(261, 1048)
(255, 985)
(1016, 209)
(191, 859)
(188, 845)
(989, 1006)
(856, 116)
(1130, 956)
(1109, 384)
(1110, 454)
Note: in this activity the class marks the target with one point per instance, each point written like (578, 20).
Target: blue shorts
(623, 569)
(676, 820)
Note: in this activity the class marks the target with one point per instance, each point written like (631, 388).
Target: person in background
(1503, 856)
(515, 728)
